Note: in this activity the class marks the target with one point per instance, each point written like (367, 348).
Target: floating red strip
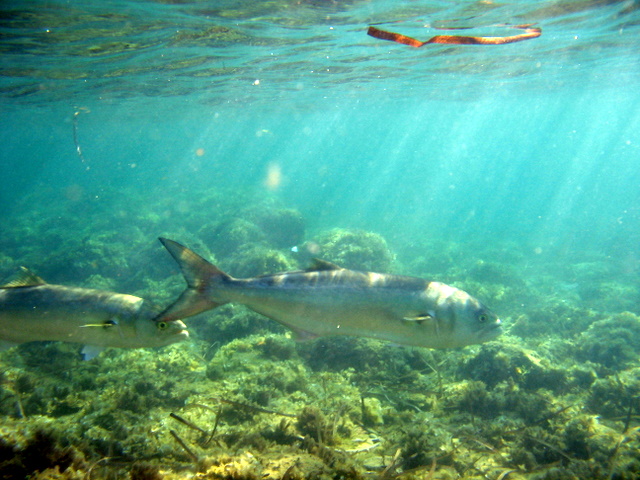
(528, 33)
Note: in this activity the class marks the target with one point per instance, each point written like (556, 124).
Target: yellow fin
(107, 324)
(24, 278)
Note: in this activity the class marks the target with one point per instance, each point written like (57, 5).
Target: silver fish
(329, 300)
(31, 310)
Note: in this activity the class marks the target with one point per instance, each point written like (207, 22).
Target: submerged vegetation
(556, 397)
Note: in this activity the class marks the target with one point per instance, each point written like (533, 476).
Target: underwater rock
(265, 376)
(40, 451)
(493, 272)
(555, 403)
(311, 422)
(296, 465)
(144, 395)
(609, 295)
(431, 258)
(227, 237)
(369, 358)
(615, 396)
(473, 397)
(145, 471)
(278, 347)
(589, 440)
(252, 260)
(5, 263)
(283, 227)
(497, 363)
(339, 353)
(229, 322)
(552, 316)
(225, 467)
(372, 412)
(262, 224)
(422, 444)
(614, 342)
(591, 272)
(356, 250)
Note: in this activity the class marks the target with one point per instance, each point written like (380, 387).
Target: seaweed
(38, 453)
(557, 396)
(356, 250)
(613, 342)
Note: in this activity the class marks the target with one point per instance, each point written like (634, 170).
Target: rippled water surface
(216, 52)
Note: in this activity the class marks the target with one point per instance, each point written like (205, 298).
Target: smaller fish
(329, 300)
(33, 310)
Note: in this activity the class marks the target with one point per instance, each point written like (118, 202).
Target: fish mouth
(494, 330)
(182, 329)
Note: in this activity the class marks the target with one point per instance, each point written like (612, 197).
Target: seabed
(556, 397)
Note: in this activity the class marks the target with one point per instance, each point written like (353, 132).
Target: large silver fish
(31, 309)
(329, 300)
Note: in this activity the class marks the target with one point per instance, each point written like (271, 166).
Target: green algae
(252, 260)
(282, 227)
(555, 397)
(613, 342)
(355, 249)
(265, 224)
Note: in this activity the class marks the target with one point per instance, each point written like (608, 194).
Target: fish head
(458, 319)
(132, 324)
(474, 322)
(139, 324)
(151, 333)
(132, 331)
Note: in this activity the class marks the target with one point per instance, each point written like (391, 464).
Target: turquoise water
(512, 171)
(534, 142)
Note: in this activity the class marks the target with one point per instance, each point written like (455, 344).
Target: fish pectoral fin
(318, 265)
(107, 324)
(90, 352)
(421, 318)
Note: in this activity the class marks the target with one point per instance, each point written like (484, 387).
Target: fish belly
(40, 324)
(335, 312)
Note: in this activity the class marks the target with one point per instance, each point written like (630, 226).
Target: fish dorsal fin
(318, 265)
(24, 278)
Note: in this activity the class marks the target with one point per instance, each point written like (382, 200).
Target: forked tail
(200, 276)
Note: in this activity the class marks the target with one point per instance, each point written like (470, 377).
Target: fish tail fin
(200, 276)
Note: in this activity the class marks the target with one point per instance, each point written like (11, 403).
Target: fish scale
(328, 300)
(33, 310)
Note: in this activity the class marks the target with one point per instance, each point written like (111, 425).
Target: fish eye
(483, 317)
(162, 325)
